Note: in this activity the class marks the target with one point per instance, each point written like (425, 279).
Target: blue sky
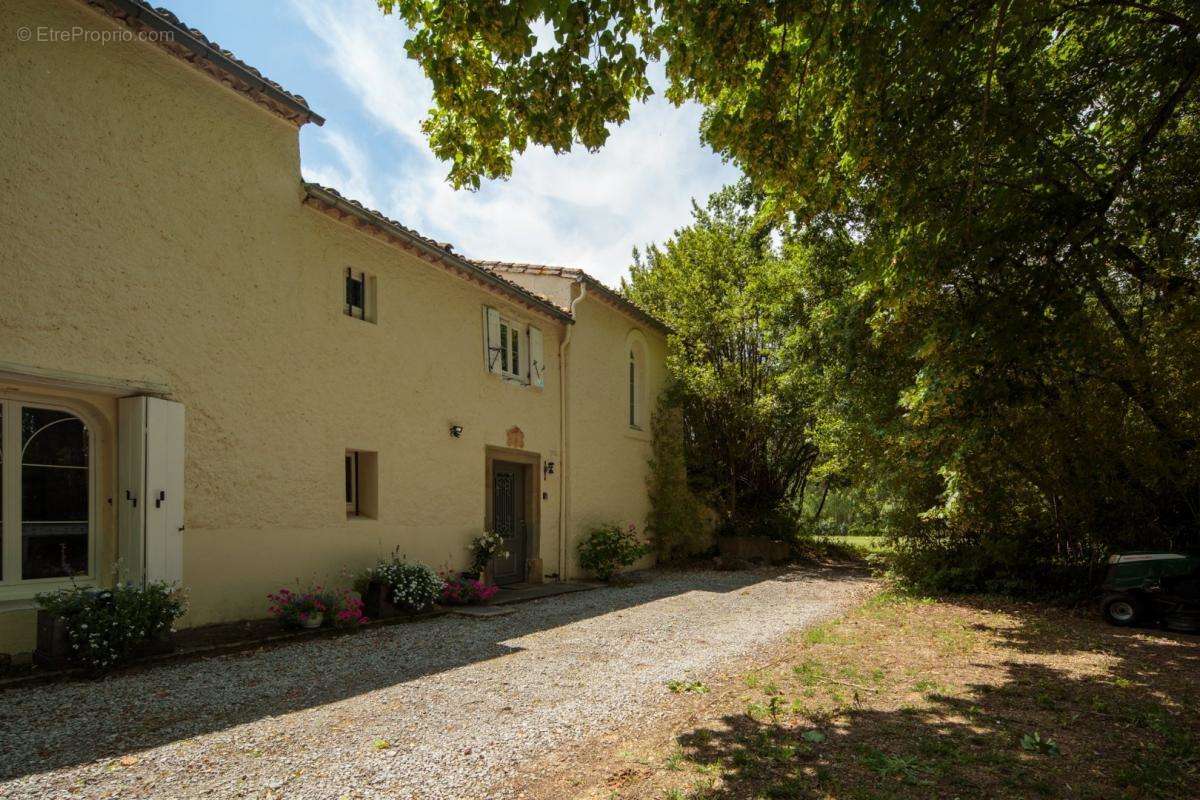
(579, 209)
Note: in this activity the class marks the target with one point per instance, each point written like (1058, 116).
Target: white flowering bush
(104, 625)
(414, 586)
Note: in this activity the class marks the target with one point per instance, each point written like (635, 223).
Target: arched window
(637, 381)
(46, 478)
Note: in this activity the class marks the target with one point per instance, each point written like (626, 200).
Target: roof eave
(432, 253)
(133, 12)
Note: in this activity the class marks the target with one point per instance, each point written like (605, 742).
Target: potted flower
(460, 590)
(315, 607)
(415, 587)
(395, 585)
(100, 628)
(484, 549)
(376, 594)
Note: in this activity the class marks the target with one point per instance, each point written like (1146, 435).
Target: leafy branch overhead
(989, 225)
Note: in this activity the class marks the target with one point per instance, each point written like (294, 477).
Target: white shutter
(491, 338)
(131, 487)
(164, 498)
(150, 513)
(537, 366)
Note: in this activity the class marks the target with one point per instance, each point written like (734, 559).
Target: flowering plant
(104, 625)
(342, 608)
(459, 590)
(414, 586)
(484, 548)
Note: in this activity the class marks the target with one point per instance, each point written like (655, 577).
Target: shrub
(341, 608)
(104, 625)
(676, 521)
(608, 548)
(458, 590)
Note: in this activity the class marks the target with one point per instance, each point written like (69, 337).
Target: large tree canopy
(997, 226)
(743, 387)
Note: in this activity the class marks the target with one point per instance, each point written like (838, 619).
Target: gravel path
(445, 708)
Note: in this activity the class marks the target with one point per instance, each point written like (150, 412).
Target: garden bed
(208, 640)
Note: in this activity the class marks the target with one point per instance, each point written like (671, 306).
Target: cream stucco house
(213, 371)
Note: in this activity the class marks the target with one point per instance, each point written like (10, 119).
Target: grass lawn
(911, 698)
(865, 544)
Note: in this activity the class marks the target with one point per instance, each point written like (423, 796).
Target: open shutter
(491, 338)
(537, 366)
(131, 488)
(164, 497)
(150, 464)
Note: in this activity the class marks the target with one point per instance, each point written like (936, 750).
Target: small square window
(359, 299)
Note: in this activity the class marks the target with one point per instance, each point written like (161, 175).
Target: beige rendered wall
(555, 288)
(608, 459)
(153, 231)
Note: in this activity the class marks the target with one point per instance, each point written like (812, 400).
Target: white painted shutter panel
(131, 488)
(164, 498)
(537, 366)
(491, 336)
(150, 497)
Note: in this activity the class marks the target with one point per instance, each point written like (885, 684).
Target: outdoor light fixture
(456, 431)
(549, 468)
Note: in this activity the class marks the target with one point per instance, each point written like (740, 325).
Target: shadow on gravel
(59, 725)
(1131, 733)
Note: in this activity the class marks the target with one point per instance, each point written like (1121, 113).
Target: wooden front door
(509, 519)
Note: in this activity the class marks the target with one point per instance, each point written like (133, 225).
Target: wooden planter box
(158, 645)
(53, 644)
(377, 601)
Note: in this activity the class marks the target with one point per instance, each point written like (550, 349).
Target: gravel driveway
(446, 708)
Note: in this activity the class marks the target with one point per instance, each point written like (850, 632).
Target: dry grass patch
(912, 698)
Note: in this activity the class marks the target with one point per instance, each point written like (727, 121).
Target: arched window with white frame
(47, 492)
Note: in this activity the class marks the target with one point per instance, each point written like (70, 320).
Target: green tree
(676, 520)
(997, 231)
(732, 302)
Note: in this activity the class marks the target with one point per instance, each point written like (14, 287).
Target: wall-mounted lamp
(548, 469)
(456, 431)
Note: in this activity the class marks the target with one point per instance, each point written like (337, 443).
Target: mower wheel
(1122, 610)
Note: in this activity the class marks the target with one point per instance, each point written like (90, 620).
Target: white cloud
(350, 173)
(578, 209)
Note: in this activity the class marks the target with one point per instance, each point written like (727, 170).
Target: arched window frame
(12, 585)
(635, 380)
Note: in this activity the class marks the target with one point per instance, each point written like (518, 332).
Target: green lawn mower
(1147, 588)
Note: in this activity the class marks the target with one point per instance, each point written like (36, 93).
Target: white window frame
(12, 585)
(512, 354)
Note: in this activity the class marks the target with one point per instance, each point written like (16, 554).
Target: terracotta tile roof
(194, 47)
(612, 296)
(331, 202)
